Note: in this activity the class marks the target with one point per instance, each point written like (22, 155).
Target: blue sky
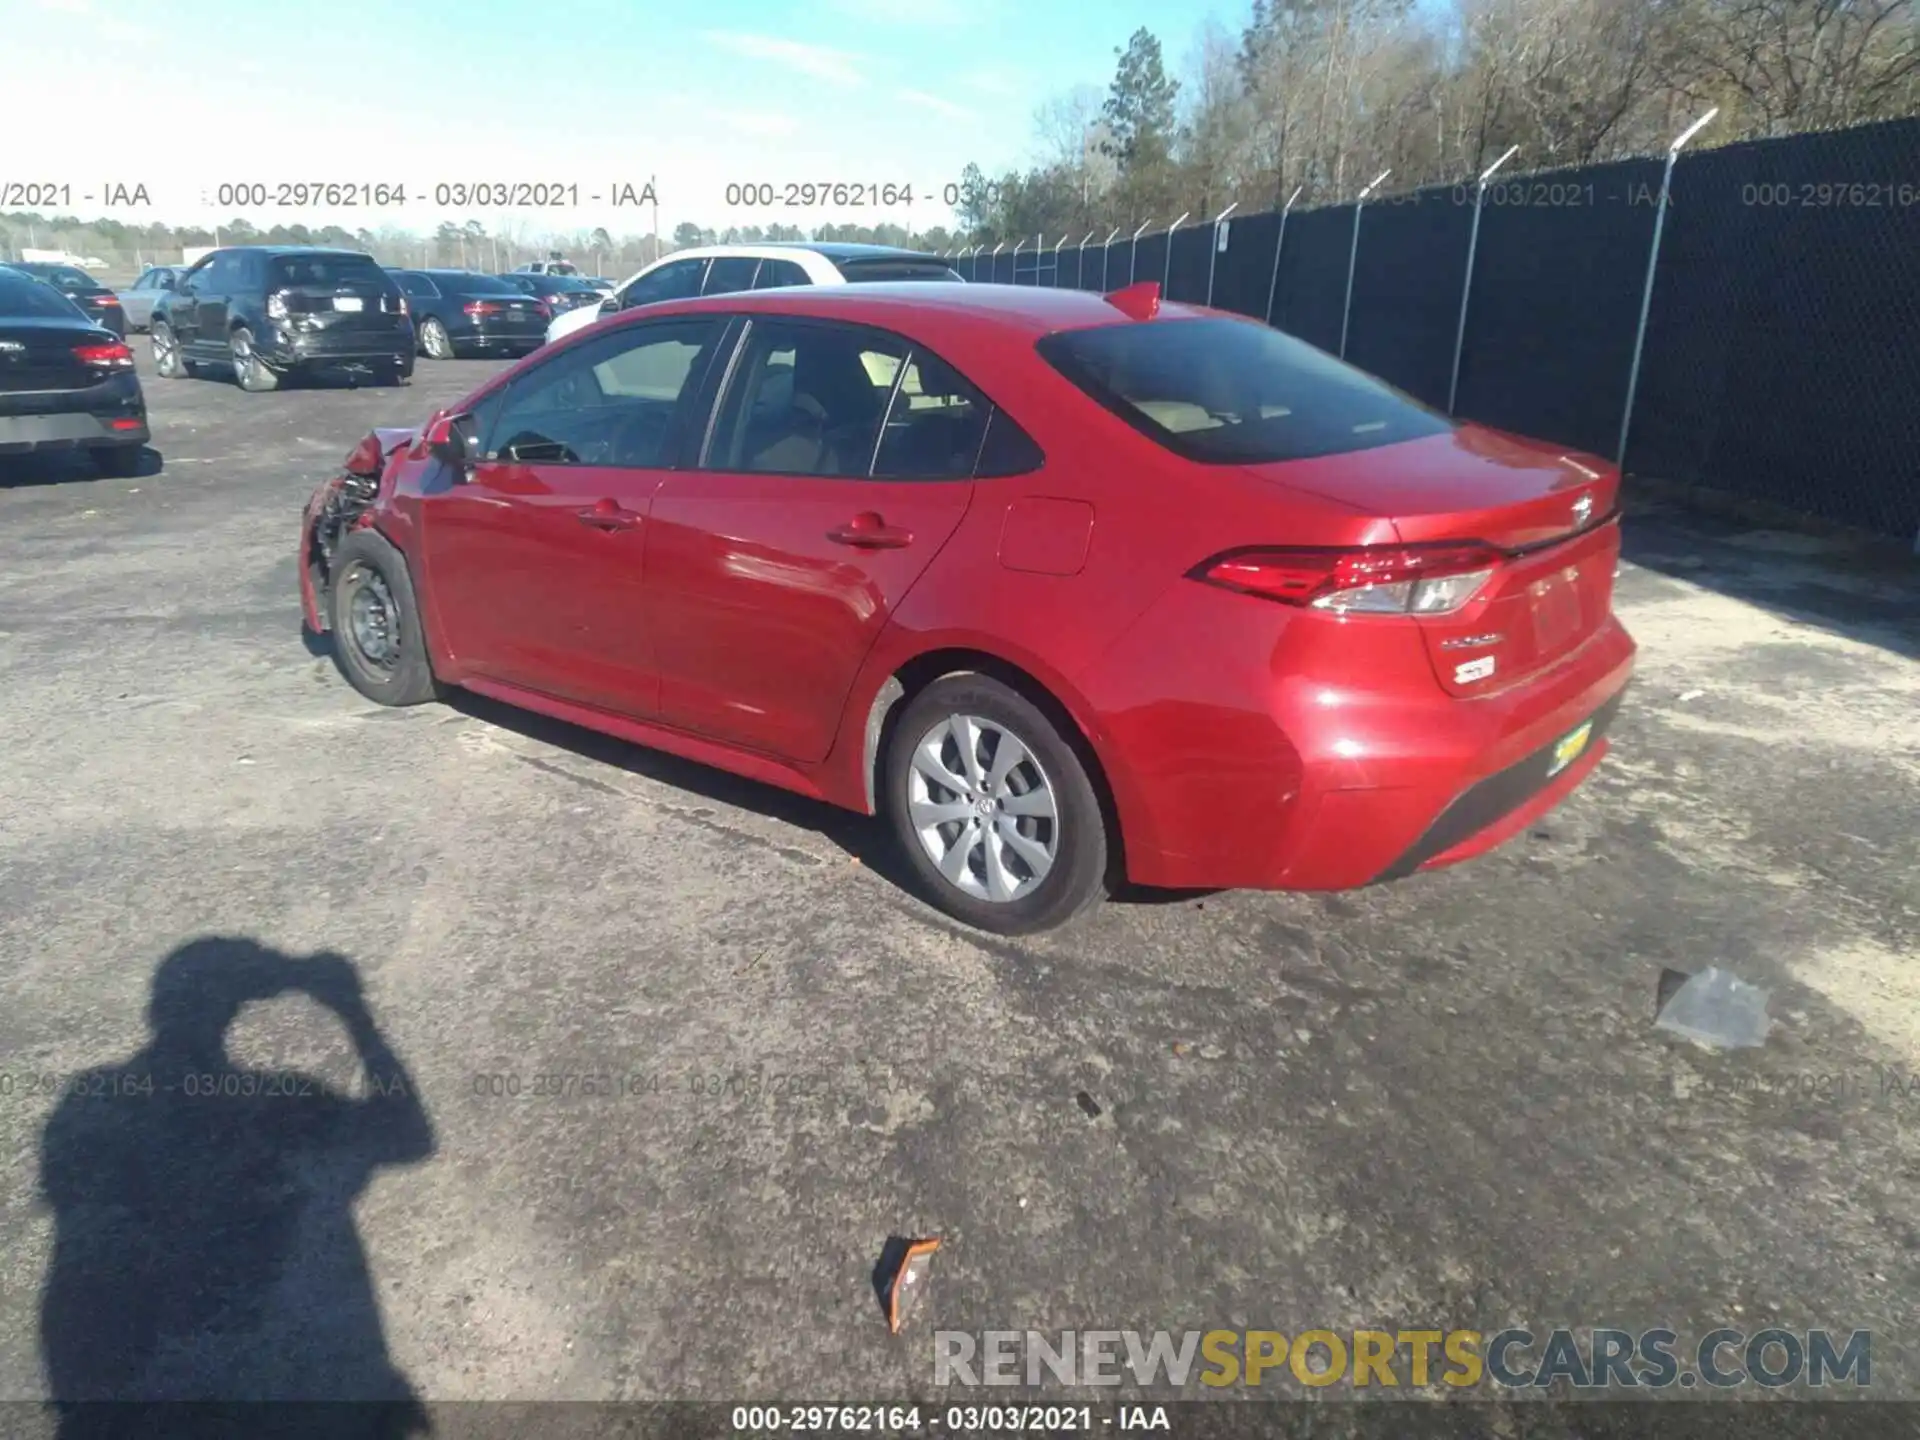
(587, 92)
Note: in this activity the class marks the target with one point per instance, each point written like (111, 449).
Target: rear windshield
(21, 296)
(67, 277)
(861, 272)
(327, 270)
(1234, 392)
(476, 284)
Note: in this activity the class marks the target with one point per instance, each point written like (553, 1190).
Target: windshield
(20, 295)
(1234, 392)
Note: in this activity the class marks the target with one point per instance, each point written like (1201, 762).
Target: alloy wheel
(983, 808)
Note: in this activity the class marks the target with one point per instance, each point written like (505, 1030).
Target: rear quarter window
(1232, 392)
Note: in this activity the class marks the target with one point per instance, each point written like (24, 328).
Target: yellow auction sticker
(1568, 749)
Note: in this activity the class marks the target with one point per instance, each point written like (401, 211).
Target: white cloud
(819, 61)
(935, 103)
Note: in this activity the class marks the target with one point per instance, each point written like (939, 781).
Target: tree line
(1318, 97)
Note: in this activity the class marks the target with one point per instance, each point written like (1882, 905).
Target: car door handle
(608, 516)
(869, 531)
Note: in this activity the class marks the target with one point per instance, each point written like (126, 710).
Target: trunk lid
(37, 354)
(1550, 509)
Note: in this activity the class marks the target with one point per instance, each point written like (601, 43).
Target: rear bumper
(105, 415)
(493, 343)
(1262, 754)
(289, 349)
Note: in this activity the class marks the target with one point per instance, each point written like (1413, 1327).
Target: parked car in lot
(560, 293)
(463, 313)
(554, 266)
(99, 302)
(269, 312)
(65, 382)
(138, 299)
(724, 269)
(1071, 588)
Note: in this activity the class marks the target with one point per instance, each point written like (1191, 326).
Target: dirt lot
(1441, 1103)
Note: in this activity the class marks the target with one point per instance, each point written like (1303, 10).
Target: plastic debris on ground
(1714, 1008)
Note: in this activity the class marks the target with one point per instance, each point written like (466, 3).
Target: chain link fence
(1781, 350)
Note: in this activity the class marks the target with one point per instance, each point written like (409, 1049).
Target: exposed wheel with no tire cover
(167, 358)
(248, 368)
(994, 809)
(377, 640)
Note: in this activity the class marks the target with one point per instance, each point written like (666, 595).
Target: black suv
(271, 311)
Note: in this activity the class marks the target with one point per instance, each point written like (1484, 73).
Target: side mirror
(453, 438)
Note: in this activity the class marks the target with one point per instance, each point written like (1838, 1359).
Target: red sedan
(1073, 589)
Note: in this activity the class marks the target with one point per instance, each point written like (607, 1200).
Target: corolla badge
(1582, 509)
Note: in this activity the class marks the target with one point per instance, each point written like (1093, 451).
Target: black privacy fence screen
(1781, 350)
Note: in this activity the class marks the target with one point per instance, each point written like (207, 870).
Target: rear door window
(778, 274)
(729, 273)
(1234, 392)
(807, 399)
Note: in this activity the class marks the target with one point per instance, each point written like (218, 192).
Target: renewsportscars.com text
(1582, 1359)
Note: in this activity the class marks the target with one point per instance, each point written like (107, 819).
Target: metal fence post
(1016, 260)
(1133, 254)
(1273, 285)
(1106, 253)
(1213, 255)
(1466, 284)
(1653, 262)
(1056, 260)
(993, 263)
(1166, 272)
(1080, 265)
(1353, 259)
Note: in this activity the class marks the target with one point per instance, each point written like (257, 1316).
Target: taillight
(1370, 579)
(106, 299)
(104, 357)
(542, 309)
(393, 305)
(477, 308)
(277, 305)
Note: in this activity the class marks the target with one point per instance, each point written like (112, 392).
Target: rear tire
(435, 341)
(248, 368)
(1012, 848)
(378, 642)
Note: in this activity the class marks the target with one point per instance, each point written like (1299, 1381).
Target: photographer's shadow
(205, 1246)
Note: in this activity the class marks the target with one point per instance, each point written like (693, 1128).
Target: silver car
(137, 300)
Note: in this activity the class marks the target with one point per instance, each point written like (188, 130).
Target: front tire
(168, 362)
(248, 368)
(378, 641)
(993, 809)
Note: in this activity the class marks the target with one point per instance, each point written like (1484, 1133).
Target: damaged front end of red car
(339, 506)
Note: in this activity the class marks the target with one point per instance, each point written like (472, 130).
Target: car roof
(278, 250)
(1032, 310)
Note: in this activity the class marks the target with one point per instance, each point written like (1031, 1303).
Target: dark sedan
(65, 383)
(98, 301)
(462, 313)
(559, 292)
